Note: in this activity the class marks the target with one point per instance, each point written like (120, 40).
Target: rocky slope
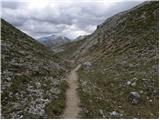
(32, 77)
(119, 77)
(53, 40)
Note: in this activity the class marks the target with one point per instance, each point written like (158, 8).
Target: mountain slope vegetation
(32, 79)
(119, 77)
(118, 73)
(67, 50)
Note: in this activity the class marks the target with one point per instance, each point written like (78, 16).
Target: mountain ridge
(53, 40)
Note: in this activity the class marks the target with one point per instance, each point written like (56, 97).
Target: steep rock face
(32, 77)
(123, 53)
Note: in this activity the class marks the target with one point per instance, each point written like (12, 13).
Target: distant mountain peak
(53, 40)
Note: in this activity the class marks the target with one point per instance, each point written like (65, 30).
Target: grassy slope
(69, 48)
(30, 75)
(129, 53)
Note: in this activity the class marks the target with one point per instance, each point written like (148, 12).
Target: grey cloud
(69, 19)
(16, 21)
(52, 20)
(42, 28)
(10, 4)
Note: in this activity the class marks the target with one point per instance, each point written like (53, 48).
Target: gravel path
(72, 99)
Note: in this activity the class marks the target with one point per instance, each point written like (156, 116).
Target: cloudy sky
(69, 18)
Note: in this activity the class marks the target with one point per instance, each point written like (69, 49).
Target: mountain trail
(72, 98)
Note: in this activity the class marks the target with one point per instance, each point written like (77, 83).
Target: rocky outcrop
(134, 97)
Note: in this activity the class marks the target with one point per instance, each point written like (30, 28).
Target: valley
(112, 73)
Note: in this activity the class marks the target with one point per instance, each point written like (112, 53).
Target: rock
(133, 84)
(134, 97)
(101, 112)
(141, 91)
(147, 98)
(129, 82)
(135, 79)
(155, 92)
(22, 52)
(120, 106)
(21, 116)
(8, 78)
(104, 69)
(38, 85)
(114, 113)
(87, 64)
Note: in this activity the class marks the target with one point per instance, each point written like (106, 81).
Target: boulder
(114, 114)
(134, 97)
(87, 64)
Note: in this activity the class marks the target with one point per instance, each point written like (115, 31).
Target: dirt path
(72, 99)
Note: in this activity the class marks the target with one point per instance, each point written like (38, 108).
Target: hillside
(67, 50)
(119, 77)
(32, 77)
